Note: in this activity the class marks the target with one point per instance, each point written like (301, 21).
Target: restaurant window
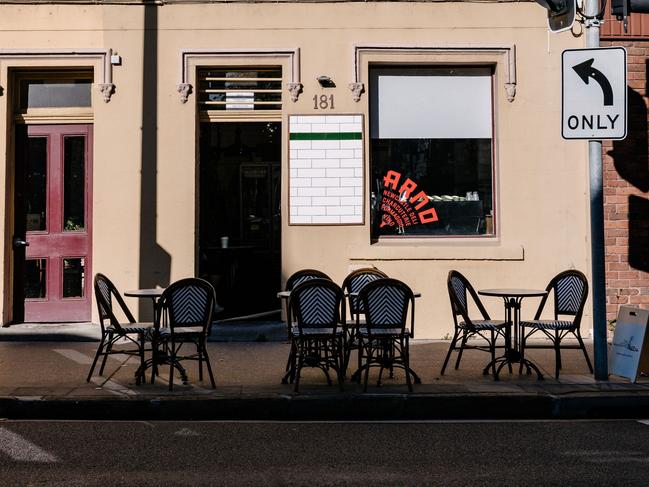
(431, 151)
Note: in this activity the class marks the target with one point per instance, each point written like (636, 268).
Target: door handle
(18, 242)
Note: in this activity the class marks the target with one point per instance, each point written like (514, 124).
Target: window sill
(436, 250)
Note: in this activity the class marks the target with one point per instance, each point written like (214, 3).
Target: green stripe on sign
(326, 136)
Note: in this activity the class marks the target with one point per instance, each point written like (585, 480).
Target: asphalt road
(261, 453)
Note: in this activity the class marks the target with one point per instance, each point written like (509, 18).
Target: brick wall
(626, 191)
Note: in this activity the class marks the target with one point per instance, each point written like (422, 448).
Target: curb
(369, 407)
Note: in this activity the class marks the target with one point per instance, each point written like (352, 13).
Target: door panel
(54, 213)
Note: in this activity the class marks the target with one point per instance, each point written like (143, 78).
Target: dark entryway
(239, 214)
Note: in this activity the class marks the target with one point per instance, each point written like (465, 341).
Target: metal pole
(597, 221)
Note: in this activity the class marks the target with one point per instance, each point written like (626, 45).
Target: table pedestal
(512, 354)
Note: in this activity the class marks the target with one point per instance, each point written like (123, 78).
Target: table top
(512, 292)
(144, 293)
(287, 294)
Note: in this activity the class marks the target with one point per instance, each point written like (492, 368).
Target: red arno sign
(403, 205)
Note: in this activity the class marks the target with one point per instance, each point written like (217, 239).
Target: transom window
(431, 151)
(240, 88)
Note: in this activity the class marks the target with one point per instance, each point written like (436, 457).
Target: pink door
(53, 223)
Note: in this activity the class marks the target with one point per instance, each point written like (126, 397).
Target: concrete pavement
(46, 379)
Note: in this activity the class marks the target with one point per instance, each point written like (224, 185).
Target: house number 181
(323, 102)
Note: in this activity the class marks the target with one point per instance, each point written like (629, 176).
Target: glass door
(52, 238)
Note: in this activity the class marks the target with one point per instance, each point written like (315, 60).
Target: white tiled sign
(326, 169)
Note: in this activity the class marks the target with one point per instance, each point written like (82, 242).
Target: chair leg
(94, 362)
(459, 354)
(583, 349)
(557, 358)
(172, 358)
(558, 339)
(207, 363)
(368, 361)
(298, 369)
(199, 351)
(450, 349)
(343, 359)
(492, 348)
(107, 351)
(522, 347)
(405, 350)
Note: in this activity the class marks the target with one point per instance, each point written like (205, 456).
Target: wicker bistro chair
(317, 338)
(352, 286)
(111, 329)
(459, 290)
(298, 278)
(186, 309)
(570, 290)
(293, 280)
(384, 338)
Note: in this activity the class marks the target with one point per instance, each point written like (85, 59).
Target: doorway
(239, 244)
(52, 223)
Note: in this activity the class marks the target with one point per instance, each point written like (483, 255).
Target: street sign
(593, 92)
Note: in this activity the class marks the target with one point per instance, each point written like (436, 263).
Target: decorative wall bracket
(106, 86)
(490, 53)
(295, 89)
(107, 89)
(357, 89)
(185, 88)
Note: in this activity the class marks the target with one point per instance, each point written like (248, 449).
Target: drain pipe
(592, 23)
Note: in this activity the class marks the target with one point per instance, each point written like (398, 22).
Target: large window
(431, 151)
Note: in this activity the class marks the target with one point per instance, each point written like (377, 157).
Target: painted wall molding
(185, 88)
(357, 86)
(106, 86)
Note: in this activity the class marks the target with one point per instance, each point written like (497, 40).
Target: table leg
(512, 348)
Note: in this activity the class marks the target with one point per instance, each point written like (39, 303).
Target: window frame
(405, 65)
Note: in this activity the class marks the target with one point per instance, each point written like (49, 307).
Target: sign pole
(597, 220)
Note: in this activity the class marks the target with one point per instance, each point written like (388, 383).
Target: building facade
(241, 142)
(626, 176)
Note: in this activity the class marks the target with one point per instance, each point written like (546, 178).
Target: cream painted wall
(542, 180)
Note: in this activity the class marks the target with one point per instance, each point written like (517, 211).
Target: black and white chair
(461, 293)
(298, 278)
(186, 309)
(295, 279)
(317, 337)
(106, 294)
(352, 286)
(570, 291)
(385, 336)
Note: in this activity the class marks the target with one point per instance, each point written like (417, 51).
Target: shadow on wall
(631, 160)
(155, 262)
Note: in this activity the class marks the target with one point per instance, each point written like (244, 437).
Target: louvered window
(240, 88)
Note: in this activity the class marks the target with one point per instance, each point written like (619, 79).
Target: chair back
(317, 303)
(356, 281)
(459, 292)
(105, 292)
(304, 275)
(188, 303)
(386, 303)
(570, 291)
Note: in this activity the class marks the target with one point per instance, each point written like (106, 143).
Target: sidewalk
(46, 379)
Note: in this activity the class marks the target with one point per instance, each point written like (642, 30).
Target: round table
(512, 298)
(153, 294)
(157, 357)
